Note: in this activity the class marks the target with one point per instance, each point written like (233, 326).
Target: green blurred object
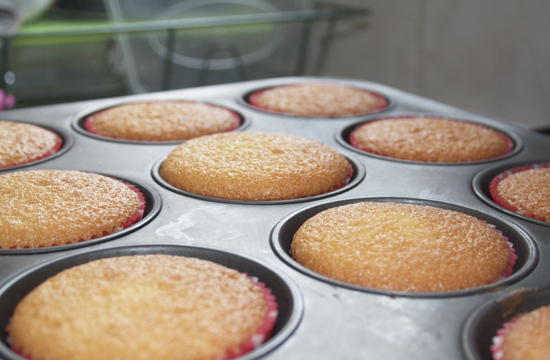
(135, 46)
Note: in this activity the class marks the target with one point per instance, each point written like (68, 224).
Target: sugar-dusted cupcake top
(323, 100)
(255, 166)
(139, 307)
(401, 247)
(526, 192)
(430, 139)
(47, 207)
(24, 143)
(528, 338)
(169, 120)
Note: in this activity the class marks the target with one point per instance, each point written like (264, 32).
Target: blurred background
(488, 57)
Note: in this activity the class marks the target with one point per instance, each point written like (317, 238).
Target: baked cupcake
(255, 166)
(25, 143)
(524, 190)
(430, 139)
(402, 247)
(56, 207)
(318, 100)
(526, 337)
(169, 120)
(143, 307)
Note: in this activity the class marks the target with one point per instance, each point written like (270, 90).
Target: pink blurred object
(6, 101)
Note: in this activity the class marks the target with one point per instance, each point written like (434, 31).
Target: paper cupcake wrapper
(342, 184)
(498, 339)
(253, 100)
(55, 149)
(513, 257)
(262, 334)
(264, 331)
(500, 201)
(89, 126)
(137, 216)
(353, 141)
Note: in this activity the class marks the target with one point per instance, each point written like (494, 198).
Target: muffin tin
(319, 318)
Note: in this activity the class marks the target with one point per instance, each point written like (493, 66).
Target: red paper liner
(55, 149)
(498, 339)
(264, 331)
(497, 199)
(88, 123)
(353, 141)
(513, 257)
(342, 184)
(262, 334)
(137, 216)
(252, 100)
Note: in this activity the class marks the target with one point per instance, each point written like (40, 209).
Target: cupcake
(318, 100)
(526, 337)
(25, 143)
(56, 207)
(402, 247)
(430, 139)
(143, 307)
(524, 190)
(162, 121)
(255, 166)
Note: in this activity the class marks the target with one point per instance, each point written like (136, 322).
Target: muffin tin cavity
(283, 233)
(388, 104)
(153, 205)
(482, 325)
(78, 122)
(356, 178)
(343, 138)
(290, 306)
(66, 143)
(482, 181)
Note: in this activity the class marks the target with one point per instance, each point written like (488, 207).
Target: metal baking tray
(320, 318)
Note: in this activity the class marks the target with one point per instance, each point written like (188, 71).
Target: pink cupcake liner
(264, 331)
(88, 123)
(55, 149)
(497, 199)
(342, 184)
(137, 216)
(513, 257)
(262, 334)
(353, 141)
(498, 339)
(253, 100)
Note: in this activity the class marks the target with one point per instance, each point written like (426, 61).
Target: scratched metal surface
(338, 322)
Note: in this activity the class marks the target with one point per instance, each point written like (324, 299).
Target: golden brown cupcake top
(138, 307)
(21, 143)
(528, 191)
(46, 207)
(255, 166)
(529, 337)
(430, 139)
(401, 247)
(318, 100)
(163, 120)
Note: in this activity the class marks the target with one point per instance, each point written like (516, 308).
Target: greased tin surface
(321, 319)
